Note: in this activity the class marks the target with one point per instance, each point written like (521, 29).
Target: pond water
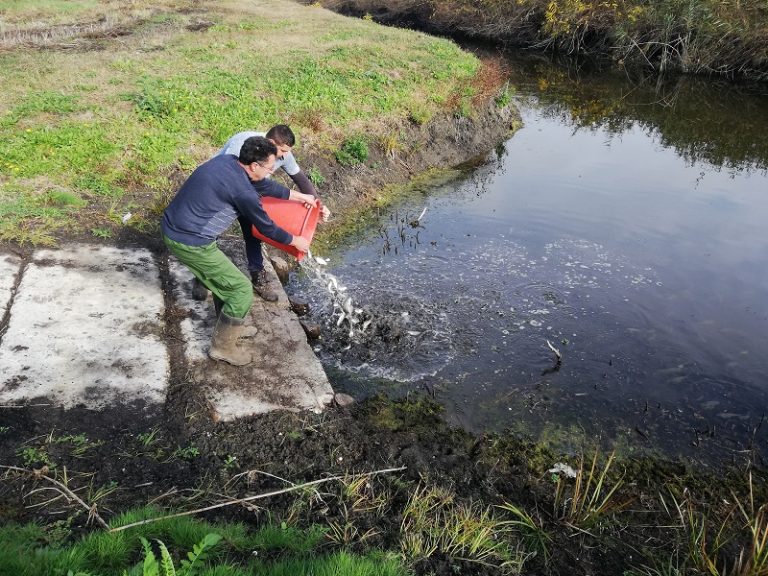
(623, 225)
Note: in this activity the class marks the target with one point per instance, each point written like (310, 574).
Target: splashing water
(342, 301)
(387, 334)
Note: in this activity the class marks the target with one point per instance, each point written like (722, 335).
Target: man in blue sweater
(222, 189)
(284, 139)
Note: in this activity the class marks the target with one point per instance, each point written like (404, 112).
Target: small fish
(320, 260)
(413, 333)
(348, 306)
(341, 319)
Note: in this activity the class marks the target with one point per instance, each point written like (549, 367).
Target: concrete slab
(10, 266)
(285, 373)
(86, 329)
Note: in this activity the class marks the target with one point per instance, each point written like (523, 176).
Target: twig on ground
(250, 498)
(170, 492)
(250, 473)
(92, 510)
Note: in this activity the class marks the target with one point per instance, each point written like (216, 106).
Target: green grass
(122, 119)
(29, 550)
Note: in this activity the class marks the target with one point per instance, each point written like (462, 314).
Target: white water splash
(344, 310)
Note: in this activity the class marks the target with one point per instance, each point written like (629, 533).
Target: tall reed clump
(591, 496)
(730, 543)
(699, 36)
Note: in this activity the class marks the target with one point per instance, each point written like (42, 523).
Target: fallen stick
(92, 513)
(249, 498)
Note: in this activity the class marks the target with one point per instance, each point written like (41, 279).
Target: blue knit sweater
(216, 193)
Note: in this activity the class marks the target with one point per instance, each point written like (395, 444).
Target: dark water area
(625, 226)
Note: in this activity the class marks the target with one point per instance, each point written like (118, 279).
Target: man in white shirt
(284, 140)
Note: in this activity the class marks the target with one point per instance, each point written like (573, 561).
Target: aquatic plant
(590, 498)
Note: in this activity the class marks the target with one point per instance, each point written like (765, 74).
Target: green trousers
(218, 274)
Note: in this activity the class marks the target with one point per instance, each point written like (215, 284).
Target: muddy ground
(178, 458)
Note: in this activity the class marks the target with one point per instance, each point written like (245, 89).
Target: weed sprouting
(80, 443)
(31, 455)
(316, 176)
(504, 98)
(360, 493)
(345, 532)
(101, 232)
(187, 452)
(535, 537)
(147, 439)
(353, 151)
(96, 494)
(391, 144)
(709, 535)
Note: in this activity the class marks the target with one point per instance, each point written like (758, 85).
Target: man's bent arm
(305, 184)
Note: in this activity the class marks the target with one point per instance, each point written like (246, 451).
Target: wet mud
(178, 458)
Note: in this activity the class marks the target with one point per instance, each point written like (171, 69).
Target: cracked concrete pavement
(87, 326)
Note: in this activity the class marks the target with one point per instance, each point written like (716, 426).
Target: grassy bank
(697, 36)
(106, 106)
(185, 546)
(318, 502)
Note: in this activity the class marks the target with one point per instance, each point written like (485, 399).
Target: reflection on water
(625, 225)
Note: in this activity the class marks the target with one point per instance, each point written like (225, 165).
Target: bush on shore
(698, 36)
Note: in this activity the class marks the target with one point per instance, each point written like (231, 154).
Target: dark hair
(256, 149)
(282, 135)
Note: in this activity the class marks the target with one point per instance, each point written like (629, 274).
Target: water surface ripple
(625, 224)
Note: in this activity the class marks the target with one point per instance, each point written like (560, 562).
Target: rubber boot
(199, 291)
(248, 331)
(224, 341)
(262, 287)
